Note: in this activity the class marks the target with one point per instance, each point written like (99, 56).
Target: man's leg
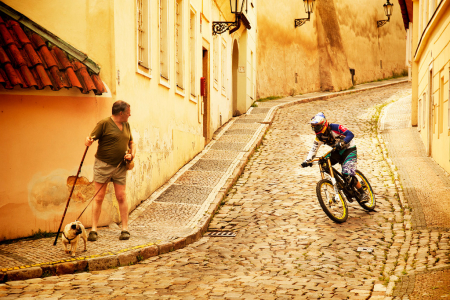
(97, 204)
(123, 204)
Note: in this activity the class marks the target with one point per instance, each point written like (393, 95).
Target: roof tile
(27, 61)
(21, 36)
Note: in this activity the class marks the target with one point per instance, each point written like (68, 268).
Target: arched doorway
(234, 66)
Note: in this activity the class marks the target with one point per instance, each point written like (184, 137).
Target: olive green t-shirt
(112, 142)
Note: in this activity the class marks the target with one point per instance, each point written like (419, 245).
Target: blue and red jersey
(330, 137)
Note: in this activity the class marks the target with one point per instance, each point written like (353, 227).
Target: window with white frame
(163, 40)
(179, 65)
(424, 109)
(251, 75)
(192, 51)
(143, 34)
(223, 55)
(216, 58)
(420, 114)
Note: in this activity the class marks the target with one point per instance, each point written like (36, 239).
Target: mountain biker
(339, 137)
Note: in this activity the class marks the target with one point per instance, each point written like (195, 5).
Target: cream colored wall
(366, 45)
(339, 36)
(434, 52)
(283, 50)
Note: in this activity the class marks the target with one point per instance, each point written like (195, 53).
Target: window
(251, 75)
(143, 34)
(424, 110)
(419, 127)
(224, 64)
(192, 50)
(216, 58)
(441, 106)
(163, 40)
(179, 65)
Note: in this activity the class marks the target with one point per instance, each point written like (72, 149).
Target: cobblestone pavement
(425, 186)
(285, 246)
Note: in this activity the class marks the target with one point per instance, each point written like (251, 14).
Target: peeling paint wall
(317, 56)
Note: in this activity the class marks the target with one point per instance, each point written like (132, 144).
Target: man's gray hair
(119, 106)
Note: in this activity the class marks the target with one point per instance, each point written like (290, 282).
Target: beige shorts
(102, 171)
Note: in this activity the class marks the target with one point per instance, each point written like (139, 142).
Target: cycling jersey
(330, 137)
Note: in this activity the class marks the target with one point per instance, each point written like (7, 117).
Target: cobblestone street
(285, 246)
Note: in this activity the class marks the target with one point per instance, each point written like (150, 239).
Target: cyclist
(339, 137)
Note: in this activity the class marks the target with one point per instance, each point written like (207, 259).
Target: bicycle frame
(337, 179)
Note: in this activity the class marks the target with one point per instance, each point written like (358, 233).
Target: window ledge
(145, 74)
(216, 85)
(180, 92)
(193, 99)
(224, 92)
(164, 82)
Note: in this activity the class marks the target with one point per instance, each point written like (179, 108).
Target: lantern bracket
(221, 27)
(382, 22)
(300, 22)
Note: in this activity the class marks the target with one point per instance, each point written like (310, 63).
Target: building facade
(427, 22)
(160, 56)
(318, 56)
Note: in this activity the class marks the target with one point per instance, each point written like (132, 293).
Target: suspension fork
(333, 181)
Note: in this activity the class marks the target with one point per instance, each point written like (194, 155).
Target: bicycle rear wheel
(370, 205)
(336, 209)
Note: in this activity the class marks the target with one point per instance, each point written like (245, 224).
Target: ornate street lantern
(388, 12)
(237, 8)
(309, 6)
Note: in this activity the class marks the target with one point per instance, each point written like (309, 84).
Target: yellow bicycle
(333, 191)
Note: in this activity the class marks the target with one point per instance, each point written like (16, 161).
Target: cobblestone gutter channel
(193, 229)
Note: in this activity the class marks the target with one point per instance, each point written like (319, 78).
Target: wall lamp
(309, 5)
(388, 11)
(237, 7)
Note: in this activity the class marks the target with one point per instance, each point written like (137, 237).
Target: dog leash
(70, 196)
(106, 182)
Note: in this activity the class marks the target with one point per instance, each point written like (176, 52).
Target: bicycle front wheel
(335, 207)
(370, 204)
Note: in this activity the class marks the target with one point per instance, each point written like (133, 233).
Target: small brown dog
(71, 236)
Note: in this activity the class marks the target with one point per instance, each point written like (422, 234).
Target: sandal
(124, 235)
(92, 236)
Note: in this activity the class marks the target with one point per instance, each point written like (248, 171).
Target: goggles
(317, 127)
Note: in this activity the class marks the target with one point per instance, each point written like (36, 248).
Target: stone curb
(139, 253)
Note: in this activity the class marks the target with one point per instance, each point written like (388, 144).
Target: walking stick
(71, 192)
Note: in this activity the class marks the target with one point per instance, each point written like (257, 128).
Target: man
(114, 139)
(335, 135)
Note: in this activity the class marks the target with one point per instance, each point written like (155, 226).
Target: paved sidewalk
(177, 214)
(425, 187)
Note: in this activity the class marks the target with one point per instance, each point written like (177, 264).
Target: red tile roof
(26, 60)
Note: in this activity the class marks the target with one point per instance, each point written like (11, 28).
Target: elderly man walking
(114, 139)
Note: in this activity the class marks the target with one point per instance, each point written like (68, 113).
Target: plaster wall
(45, 134)
(433, 59)
(318, 55)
